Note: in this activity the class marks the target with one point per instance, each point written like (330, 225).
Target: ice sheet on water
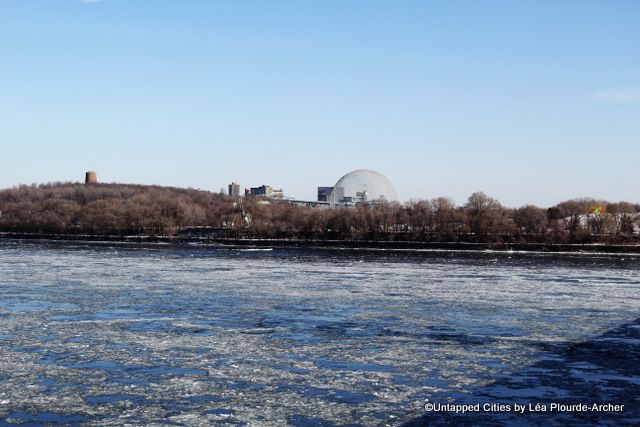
(200, 335)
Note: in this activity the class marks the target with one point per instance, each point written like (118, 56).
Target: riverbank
(341, 244)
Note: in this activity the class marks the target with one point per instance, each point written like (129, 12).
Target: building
(362, 186)
(90, 178)
(266, 191)
(324, 193)
(277, 193)
(337, 194)
(261, 191)
(234, 189)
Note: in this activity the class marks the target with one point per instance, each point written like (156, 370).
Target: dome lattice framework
(362, 186)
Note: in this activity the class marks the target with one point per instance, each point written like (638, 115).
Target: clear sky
(529, 101)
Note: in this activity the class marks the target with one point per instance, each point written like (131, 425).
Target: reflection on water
(113, 334)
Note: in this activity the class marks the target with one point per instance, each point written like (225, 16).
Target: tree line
(124, 210)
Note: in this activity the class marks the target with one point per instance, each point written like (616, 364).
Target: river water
(110, 334)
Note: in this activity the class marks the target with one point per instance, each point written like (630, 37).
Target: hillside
(126, 210)
(106, 208)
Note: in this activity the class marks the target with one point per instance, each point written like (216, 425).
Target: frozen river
(115, 334)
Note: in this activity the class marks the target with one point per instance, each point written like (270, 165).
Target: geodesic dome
(362, 186)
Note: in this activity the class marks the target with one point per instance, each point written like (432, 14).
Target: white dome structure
(362, 186)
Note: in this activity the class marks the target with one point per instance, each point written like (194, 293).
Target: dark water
(117, 334)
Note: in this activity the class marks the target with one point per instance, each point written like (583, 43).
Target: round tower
(91, 178)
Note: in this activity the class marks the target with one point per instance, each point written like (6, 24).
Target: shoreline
(567, 248)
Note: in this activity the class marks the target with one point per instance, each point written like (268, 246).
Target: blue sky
(529, 101)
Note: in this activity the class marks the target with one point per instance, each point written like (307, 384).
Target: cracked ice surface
(117, 334)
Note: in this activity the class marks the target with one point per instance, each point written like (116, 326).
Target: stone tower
(91, 178)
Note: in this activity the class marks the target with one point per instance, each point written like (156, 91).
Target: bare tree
(487, 218)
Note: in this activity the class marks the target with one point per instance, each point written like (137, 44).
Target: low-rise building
(324, 193)
(267, 191)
